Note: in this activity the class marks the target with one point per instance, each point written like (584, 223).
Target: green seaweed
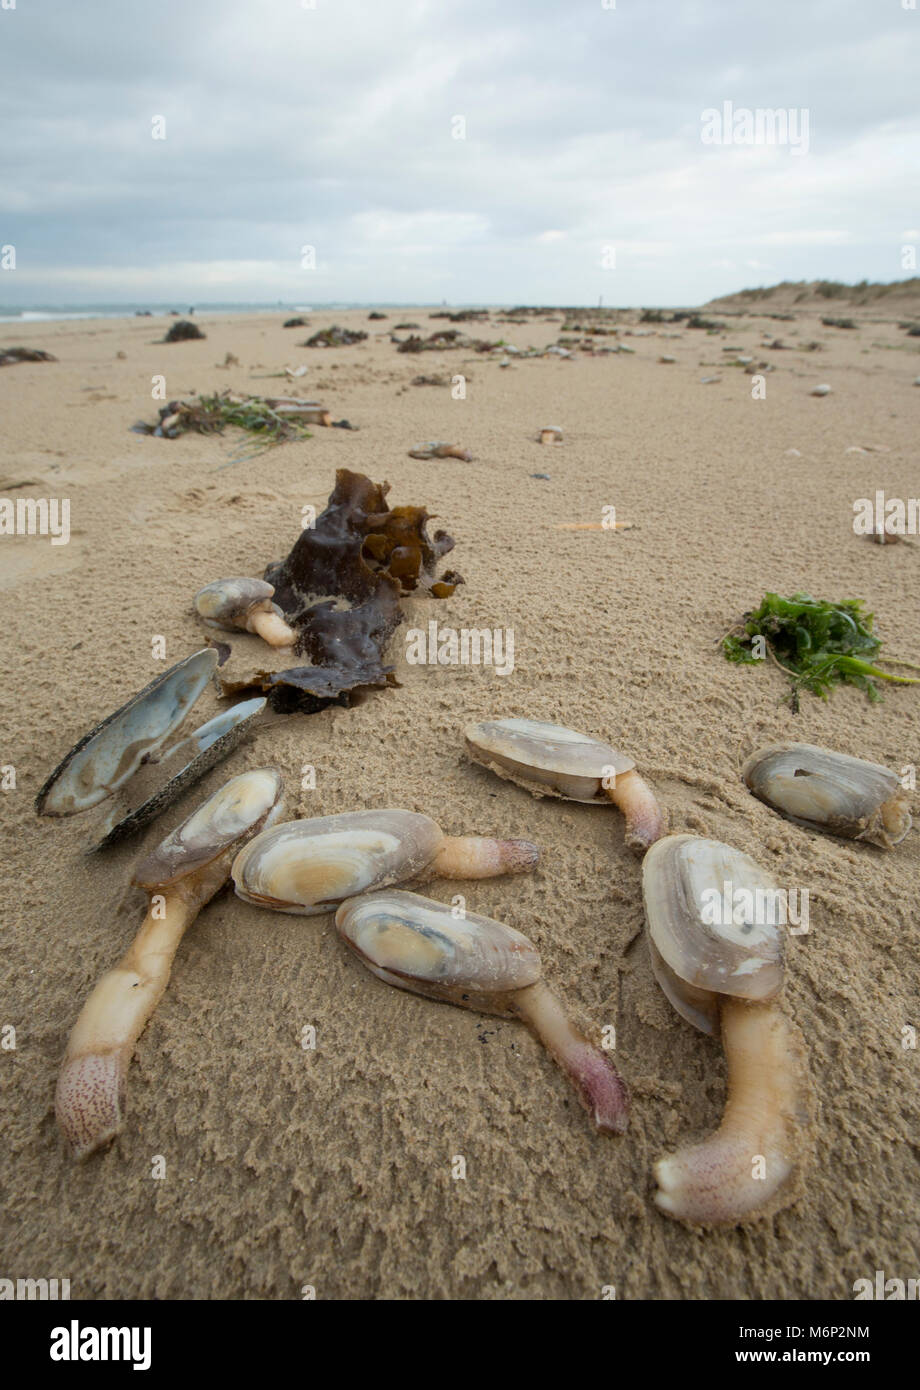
(817, 643)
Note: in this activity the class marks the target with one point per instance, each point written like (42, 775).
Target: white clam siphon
(725, 976)
(309, 866)
(831, 791)
(181, 876)
(420, 945)
(551, 760)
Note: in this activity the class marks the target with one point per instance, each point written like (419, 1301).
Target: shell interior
(113, 751)
(192, 758)
(245, 804)
(715, 919)
(547, 758)
(309, 866)
(418, 944)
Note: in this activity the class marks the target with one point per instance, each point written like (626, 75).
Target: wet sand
(332, 1168)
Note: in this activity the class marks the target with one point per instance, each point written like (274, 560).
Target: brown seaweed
(182, 331)
(340, 589)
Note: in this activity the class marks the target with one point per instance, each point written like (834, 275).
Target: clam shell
(113, 751)
(830, 791)
(309, 866)
(223, 601)
(241, 806)
(194, 756)
(547, 759)
(694, 955)
(418, 944)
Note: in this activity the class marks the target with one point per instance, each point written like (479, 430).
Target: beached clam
(246, 604)
(550, 434)
(126, 757)
(550, 760)
(181, 876)
(309, 866)
(718, 953)
(831, 791)
(420, 945)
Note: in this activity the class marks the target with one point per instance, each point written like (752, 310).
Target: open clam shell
(712, 915)
(418, 944)
(109, 754)
(234, 810)
(123, 757)
(547, 759)
(830, 791)
(193, 757)
(309, 866)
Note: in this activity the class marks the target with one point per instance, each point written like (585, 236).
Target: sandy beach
(332, 1167)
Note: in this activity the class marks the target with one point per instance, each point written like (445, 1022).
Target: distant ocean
(43, 312)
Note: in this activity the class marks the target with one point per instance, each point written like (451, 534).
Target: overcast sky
(583, 171)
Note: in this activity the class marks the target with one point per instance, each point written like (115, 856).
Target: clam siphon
(423, 946)
(309, 866)
(551, 760)
(725, 976)
(181, 876)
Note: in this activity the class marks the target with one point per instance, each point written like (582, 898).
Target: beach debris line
(424, 947)
(180, 876)
(819, 644)
(830, 791)
(437, 449)
(247, 604)
(335, 337)
(722, 967)
(11, 355)
(309, 866)
(182, 331)
(551, 760)
(361, 556)
(275, 420)
(125, 759)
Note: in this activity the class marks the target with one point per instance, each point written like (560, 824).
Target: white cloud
(333, 127)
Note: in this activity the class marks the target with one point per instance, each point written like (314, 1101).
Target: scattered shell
(821, 391)
(420, 945)
(830, 791)
(694, 960)
(551, 760)
(417, 944)
(308, 866)
(547, 759)
(246, 604)
(666, 358)
(717, 952)
(550, 434)
(122, 757)
(232, 811)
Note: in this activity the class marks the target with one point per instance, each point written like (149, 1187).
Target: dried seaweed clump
(272, 420)
(182, 331)
(20, 354)
(366, 554)
(335, 337)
